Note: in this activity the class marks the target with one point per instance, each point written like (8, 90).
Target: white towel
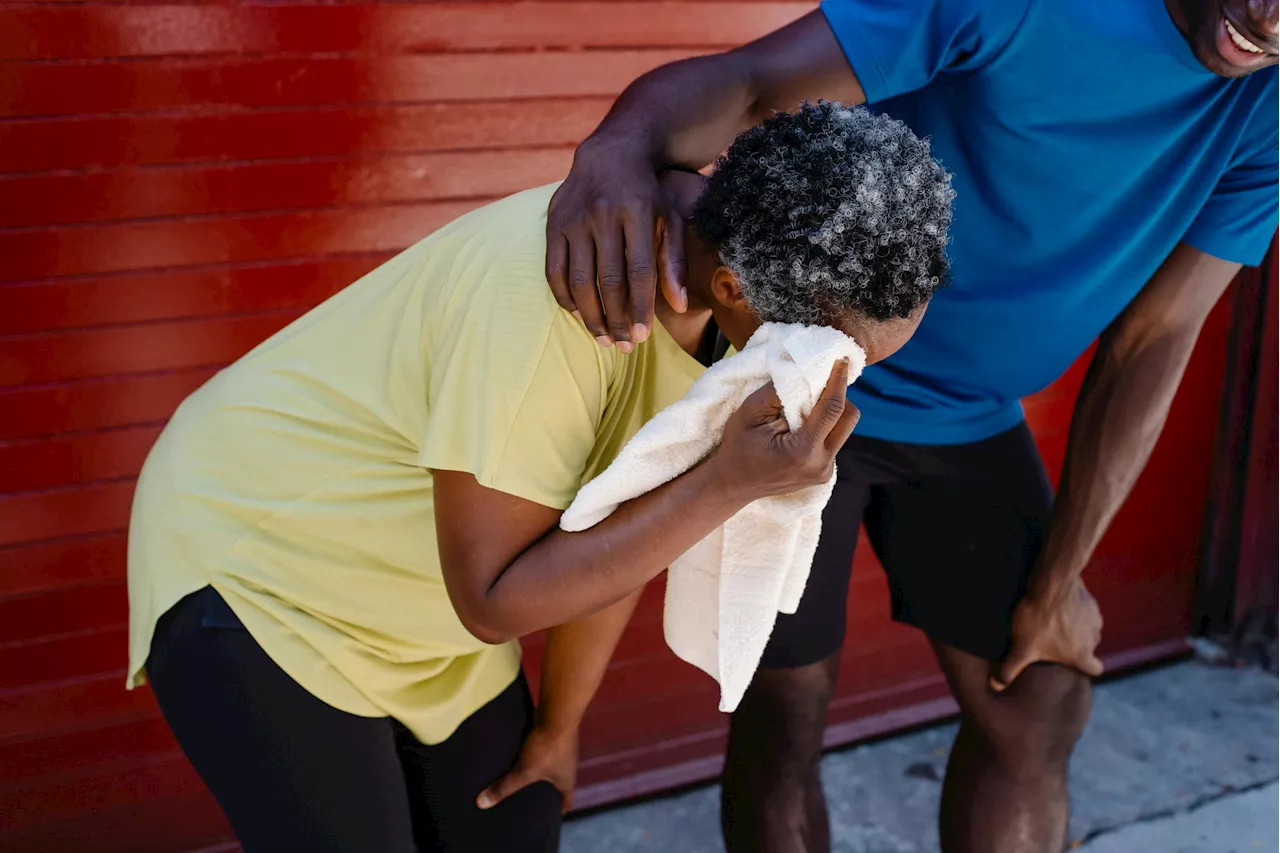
(725, 593)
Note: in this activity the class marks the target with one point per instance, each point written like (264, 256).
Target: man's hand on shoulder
(606, 224)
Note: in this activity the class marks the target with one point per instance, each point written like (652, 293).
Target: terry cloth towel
(725, 593)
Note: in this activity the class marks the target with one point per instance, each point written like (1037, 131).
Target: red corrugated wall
(178, 181)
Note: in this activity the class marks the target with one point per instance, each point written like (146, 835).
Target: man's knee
(784, 713)
(1039, 718)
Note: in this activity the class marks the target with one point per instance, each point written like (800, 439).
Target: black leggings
(294, 774)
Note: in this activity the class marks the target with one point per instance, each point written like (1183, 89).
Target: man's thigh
(959, 535)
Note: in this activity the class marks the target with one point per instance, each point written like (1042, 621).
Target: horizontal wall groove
(53, 638)
(216, 107)
(140, 325)
(59, 490)
(80, 278)
(372, 156)
(28, 441)
(241, 215)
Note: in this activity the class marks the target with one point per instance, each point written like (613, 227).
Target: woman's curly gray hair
(826, 210)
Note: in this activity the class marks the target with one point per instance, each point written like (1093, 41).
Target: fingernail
(484, 801)
(684, 300)
(624, 347)
(604, 341)
(639, 333)
(578, 314)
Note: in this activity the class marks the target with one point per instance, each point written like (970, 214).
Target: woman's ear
(727, 290)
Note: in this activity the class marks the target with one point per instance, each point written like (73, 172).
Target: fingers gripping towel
(725, 593)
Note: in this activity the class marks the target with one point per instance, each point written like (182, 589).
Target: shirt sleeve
(517, 391)
(896, 47)
(1239, 219)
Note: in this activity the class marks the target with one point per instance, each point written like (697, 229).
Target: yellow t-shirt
(296, 482)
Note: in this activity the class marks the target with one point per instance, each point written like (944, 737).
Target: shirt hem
(917, 432)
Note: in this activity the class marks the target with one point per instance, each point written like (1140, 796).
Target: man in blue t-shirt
(1115, 164)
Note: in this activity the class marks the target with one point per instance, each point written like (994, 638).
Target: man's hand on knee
(1063, 629)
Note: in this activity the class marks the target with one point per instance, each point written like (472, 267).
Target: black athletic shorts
(956, 527)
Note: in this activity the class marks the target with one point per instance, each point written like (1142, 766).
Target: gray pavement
(1236, 823)
(1181, 759)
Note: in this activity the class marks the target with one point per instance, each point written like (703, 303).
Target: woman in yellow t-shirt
(337, 540)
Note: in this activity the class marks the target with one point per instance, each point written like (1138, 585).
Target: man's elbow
(1165, 338)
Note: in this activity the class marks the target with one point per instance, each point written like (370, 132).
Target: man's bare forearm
(1122, 409)
(1118, 418)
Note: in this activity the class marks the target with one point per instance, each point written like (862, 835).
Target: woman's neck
(688, 328)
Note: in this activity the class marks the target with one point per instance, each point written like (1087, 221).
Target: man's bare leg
(772, 799)
(1006, 783)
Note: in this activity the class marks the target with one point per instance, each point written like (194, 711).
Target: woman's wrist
(557, 722)
(727, 483)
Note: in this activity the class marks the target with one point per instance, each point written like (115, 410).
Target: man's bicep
(1238, 220)
(802, 61)
(479, 532)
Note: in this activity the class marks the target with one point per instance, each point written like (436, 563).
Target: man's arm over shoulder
(612, 239)
(609, 216)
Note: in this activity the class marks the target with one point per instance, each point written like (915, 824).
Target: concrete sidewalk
(1181, 759)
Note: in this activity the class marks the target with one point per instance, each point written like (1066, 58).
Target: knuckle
(573, 225)
(601, 208)
(611, 278)
(580, 279)
(640, 269)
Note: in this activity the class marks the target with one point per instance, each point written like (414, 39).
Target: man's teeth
(1240, 41)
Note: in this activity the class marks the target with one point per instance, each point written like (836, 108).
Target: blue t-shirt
(1086, 142)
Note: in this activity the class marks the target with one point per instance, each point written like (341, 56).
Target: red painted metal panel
(128, 246)
(183, 294)
(187, 821)
(115, 350)
(166, 192)
(36, 516)
(69, 460)
(66, 610)
(115, 401)
(49, 89)
(137, 140)
(1257, 579)
(108, 31)
(83, 703)
(61, 563)
(179, 180)
(60, 657)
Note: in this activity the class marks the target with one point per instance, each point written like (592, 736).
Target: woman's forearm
(573, 665)
(567, 575)
(509, 569)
